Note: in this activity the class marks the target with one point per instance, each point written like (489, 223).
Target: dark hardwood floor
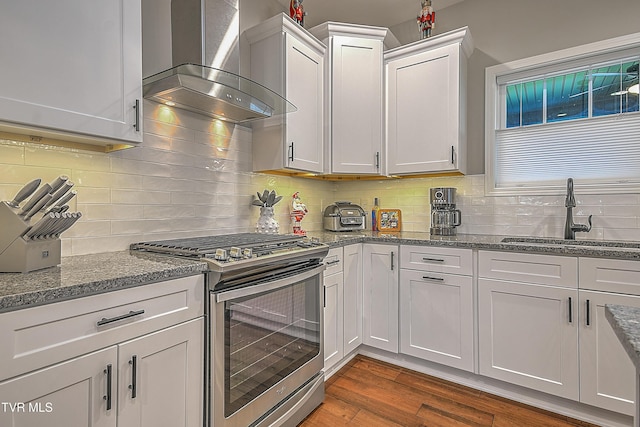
(370, 393)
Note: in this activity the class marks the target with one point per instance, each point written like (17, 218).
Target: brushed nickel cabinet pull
(432, 260)
(105, 321)
(134, 365)
(438, 279)
(107, 397)
(392, 255)
(136, 107)
(588, 313)
(570, 310)
(291, 151)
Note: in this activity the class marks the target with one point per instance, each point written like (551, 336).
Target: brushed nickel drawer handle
(105, 321)
(432, 260)
(335, 261)
(437, 279)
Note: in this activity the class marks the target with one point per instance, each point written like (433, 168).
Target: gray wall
(506, 30)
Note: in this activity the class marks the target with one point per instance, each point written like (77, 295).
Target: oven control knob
(235, 252)
(247, 252)
(221, 255)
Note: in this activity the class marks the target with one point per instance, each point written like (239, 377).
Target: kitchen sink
(577, 244)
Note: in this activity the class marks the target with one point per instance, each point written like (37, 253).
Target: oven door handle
(268, 286)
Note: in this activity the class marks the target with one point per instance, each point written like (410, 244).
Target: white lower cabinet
(342, 303)
(436, 307)
(333, 320)
(528, 335)
(352, 297)
(72, 393)
(528, 320)
(131, 358)
(380, 296)
(607, 375)
(165, 387)
(436, 317)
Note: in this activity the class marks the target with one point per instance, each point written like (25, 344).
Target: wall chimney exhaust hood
(214, 93)
(204, 32)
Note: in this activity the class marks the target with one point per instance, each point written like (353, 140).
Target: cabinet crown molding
(330, 29)
(279, 24)
(460, 36)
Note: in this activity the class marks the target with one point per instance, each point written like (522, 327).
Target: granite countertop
(626, 324)
(84, 275)
(584, 248)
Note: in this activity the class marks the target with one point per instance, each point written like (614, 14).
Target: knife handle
(25, 192)
(39, 226)
(34, 210)
(45, 189)
(66, 198)
(58, 182)
(62, 190)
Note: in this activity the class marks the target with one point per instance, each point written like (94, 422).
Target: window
(573, 113)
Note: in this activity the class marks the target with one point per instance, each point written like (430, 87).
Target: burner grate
(207, 245)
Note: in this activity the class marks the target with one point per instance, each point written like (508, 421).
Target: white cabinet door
(607, 376)
(161, 378)
(333, 320)
(356, 105)
(76, 66)
(436, 317)
(304, 81)
(380, 296)
(352, 297)
(426, 91)
(528, 335)
(73, 393)
(288, 60)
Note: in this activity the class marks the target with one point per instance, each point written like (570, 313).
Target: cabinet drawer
(333, 261)
(437, 259)
(529, 268)
(610, 275)
(40, 336)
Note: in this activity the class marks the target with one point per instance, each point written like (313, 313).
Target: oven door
(266, 346)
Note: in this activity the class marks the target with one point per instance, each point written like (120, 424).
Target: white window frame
(566, 59)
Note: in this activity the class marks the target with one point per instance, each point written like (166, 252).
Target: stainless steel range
(265, 350)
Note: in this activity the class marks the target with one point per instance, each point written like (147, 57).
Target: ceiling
(382, 13)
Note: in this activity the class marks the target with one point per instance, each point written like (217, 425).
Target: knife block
(19, 255)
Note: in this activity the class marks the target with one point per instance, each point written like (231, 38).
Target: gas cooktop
(232, 251)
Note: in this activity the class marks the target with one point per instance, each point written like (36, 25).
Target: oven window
(267, 337)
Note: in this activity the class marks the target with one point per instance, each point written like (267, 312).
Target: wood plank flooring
(370, 393)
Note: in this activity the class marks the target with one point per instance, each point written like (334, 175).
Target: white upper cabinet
(75, 70)
(426, 104)
(290, 61)
(354, 96)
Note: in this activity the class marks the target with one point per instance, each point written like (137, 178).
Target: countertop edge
(62, 283)
(625, 322)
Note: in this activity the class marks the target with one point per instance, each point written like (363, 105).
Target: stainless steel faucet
(570, 228)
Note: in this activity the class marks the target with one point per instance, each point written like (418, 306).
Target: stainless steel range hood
(207, 32)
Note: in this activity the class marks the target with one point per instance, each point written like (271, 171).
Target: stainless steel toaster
(344, 216)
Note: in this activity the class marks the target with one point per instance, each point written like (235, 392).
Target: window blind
(604, 151)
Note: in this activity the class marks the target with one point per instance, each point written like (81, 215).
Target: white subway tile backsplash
(133, 197)
(11, 153)
(192, 176)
